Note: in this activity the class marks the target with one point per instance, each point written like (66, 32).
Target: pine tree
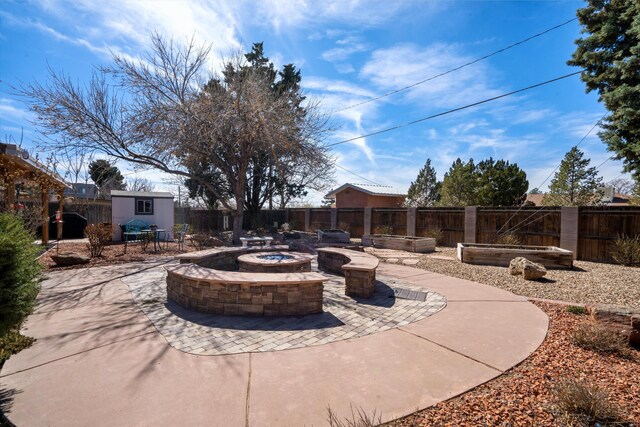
(500, 183)
(575, 183)
(610, 55)
(425, 190)
(459, 186)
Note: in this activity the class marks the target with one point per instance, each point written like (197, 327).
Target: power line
(455, 109)
(359, 176)
(456, 68)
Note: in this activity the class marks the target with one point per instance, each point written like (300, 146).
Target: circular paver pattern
(395, 303)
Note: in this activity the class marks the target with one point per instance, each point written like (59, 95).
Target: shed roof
(371, 189)
(152, 194)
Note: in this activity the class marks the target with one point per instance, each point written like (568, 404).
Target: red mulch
(523, 396)
(113, 253)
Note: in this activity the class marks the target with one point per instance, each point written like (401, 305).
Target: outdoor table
(264, 241)
(155, 234)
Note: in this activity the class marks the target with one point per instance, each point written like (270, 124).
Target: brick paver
(343, 317)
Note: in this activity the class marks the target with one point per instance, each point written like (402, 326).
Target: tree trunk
(237, 225)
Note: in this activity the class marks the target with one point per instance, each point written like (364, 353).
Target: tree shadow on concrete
(6, 401)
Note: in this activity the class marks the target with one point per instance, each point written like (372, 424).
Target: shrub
(99, 235)
(580, 404)
(384, 229)
(626, 250)
(509, 239)
(574, 309)
(601, 339)
(13, 342)
(435, 233)
(18, 272)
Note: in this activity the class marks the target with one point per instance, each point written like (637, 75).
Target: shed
(151, 207)
(366, 196)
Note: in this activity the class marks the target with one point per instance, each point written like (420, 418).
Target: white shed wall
(123, 210)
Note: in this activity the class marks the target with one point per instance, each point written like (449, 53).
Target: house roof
(617, 199)
(373, 190)
(153, 194)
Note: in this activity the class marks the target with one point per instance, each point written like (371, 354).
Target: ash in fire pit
(275, 257)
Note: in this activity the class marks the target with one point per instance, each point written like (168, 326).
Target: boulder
(65, 259)
(529, 269)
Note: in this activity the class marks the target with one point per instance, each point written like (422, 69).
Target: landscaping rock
(622, 319)
(529, 270)
(66, 259)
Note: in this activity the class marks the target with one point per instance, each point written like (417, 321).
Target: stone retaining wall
(253, 299)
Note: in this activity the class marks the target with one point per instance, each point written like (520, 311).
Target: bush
(19, 270)
(99, 235)
(580, 404)
(13, 342)
(626, 250)
(384, 229)
(435, 233)
(509, 239)
(601, 339)
(574, 309)
(358, 419)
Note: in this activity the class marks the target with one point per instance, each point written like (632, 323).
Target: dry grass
(359, 418)
(599, 338)
(579, 404)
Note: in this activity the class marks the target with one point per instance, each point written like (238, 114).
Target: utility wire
(456, 68)
(455, 109)
(545, 180)
(359, 176)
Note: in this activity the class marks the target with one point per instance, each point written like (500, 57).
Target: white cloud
(405, 64)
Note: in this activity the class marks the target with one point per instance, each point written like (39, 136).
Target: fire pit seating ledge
(358, 268)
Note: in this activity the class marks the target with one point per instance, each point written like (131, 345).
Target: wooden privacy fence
(589, 232)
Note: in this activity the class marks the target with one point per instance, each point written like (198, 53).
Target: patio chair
(180, 232)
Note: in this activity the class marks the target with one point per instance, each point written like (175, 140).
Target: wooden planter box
(333, 236)
(404, 243)
(501, 255)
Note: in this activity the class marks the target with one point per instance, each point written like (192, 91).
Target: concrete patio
(99, 360)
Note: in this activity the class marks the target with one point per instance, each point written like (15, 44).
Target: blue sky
(349, 52)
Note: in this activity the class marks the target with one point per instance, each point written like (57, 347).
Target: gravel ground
(523, 396)
(587, 283)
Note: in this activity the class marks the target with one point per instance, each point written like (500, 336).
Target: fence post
(367, 221)
(470, 224)
(412, 214)
(334, 218)
(286, 215)
(569, 229)
(307, 220)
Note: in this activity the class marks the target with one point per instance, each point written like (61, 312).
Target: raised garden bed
(333, 236)
(403, 243)
(501, 255)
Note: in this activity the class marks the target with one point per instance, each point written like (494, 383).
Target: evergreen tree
(500, 183)
(460, 184)
(610, 55)
(425, 190)
(575, 183)
(106, 176)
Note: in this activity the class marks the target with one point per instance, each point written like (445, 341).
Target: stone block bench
(358, 268)
(250, 294)
(224, 258)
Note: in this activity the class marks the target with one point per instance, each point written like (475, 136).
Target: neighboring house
(147, 206)
(365, 196)
(81, 190)
(610, 199)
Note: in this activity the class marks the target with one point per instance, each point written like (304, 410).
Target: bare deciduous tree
(154, 112)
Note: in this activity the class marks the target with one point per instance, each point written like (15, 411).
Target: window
(144, 206)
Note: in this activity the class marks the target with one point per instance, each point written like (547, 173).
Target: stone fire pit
(275, 262)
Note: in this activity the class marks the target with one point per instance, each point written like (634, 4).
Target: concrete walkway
(100, 361)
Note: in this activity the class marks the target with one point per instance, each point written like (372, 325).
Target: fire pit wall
(287, 298)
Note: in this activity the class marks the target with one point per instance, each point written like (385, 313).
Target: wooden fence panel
(296, 219)
(320, 219)
(351, 220)
(449, 220)
(600, 226)
(389, 221)
(535, 226)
